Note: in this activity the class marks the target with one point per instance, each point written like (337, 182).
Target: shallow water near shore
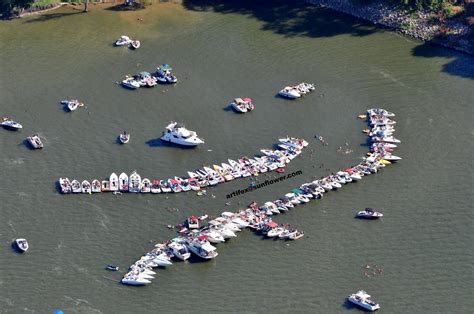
(419, 254)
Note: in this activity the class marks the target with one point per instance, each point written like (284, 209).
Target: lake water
(420, 253)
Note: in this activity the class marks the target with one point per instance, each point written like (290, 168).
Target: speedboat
(145, 186)
(131, 82)
(95, 186)
(177, 133)
(35, 141)
(134, 182)
(194, 184)
(164, 74)
(362, 299)
(112, 267)
(296, 235)
(21, 245)
(123, 182)
(201, 247)
(105, 186)
(146, 79)
(76, 186)
(183, 183)
(242, 105)
(135, 44)
(65, 185)
(369, 213)
(72, 104)
(155, 187)
(293, 141)
(275, 232)
(114, 182)
(86, 187)
(165, 187)
(123, 41)
(192, 222)
(135, 281)
(213, 236)
(289, 92)
(175, 186)
(10, 124)
(124, 137)
(178, 249)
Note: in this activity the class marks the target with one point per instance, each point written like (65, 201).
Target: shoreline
(418, 26)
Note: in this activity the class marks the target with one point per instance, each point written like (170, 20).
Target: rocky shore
(421, 25)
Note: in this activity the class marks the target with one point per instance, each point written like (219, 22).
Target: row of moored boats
(271, 160)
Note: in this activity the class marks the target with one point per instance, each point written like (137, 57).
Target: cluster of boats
(201, 241)
(163, 75)
(198, 240)
(127, 41)
(271, 160)
(72, 104)
(242, 105)
(293, 92)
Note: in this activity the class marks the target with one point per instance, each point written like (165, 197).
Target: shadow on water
(156, 142)
(228, 108)
(461, 64)
(289, 18)
(350, 306)
(51, 16)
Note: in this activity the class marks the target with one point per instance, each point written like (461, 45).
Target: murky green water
(423, 244)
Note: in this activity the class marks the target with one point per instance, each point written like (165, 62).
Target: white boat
(213, 236)
(369, 213)
(242, 105)
(275, 232)
(114, 182)
(192, 222)
(131, 82)
(123, 41)
(380, 112)
(235, 219)
(165, 187)
(145, 186)
(155, 187)
(293, 141)
(65, 185)
(124, 137)
(135, 281)
(86, 187)
(35, 141)
(72, 104)
(178, 249)
(123, 182)
(362, 299)
(22, 245)
(95, 186)
(105, 186)
(289, 92)
(296, 235)
(177, 133)
(135, 44)
(201, 247)
(134, 182)
(164, 74)
(76, 186)
(10, 124)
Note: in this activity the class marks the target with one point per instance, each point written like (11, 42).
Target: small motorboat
(114, 182)
(135, 44)
(112, 267)
(86, 187)
(164, 74)
(76, 186)
(131, 82)
(362, 299)
(296, 235)
(95, 186)
(145, 186)
(289, 92)
(124, 137)
(134, 182)
(35, 141)
(72, 104)
(65, 185)
(193, 222)
(123, 41)
(9, 124)
(242, 105)
(21, 245)
(369, 213)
